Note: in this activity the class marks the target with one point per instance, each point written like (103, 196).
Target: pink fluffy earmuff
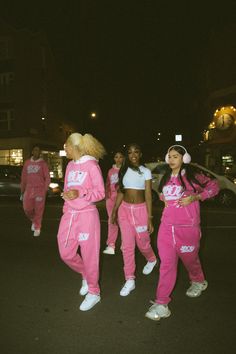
(186, 156)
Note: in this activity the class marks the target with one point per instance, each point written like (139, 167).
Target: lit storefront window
(227, 162)
(11, 157)
(54, 163)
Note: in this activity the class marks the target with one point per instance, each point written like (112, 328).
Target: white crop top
(136, 180)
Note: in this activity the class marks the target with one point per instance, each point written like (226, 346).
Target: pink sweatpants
(177, 242)
(112, 228)
(133, 225)
(34, 204)
(81, 229)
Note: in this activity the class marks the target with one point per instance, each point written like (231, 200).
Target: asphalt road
(40, 294)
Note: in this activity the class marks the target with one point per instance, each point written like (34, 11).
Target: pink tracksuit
(133, 224)
(111, 193)
(80, 224)
(35, 180)
(179, 233)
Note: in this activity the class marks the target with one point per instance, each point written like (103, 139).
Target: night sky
(138, 64)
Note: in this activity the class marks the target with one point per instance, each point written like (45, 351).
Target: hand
(165, 202)
(70, 195)
(150, 226)
(186, 200)
(113, 218)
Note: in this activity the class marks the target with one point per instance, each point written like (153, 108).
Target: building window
(4, 49)
(6, 83)
(11, 157)
(6, 119)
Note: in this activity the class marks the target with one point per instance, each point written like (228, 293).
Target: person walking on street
(35, 180)
(134, 210)
(79, 227)
(181, 189)
(111, 194)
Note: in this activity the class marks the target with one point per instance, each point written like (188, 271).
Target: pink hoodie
(35, 174)
(85, 176)
(111, 182)
(188, 215)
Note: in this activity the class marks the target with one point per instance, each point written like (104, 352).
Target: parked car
(226, 196)
(10, 177)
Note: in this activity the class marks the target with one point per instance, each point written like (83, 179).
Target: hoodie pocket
(178, 216)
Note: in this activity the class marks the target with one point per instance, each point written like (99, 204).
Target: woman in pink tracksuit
(181, 189)
(134, 207)
(35, 180)
(111, 194)
(80, 224)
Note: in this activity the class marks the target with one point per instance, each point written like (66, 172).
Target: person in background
(79, 228)
(134, 209)
(111, 194)
(35, 180)
(181, 189)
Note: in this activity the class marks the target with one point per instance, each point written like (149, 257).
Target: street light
(93, 115)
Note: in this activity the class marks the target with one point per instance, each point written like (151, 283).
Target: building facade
(34, 99)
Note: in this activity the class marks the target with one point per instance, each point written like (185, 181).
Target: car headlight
(53, 185)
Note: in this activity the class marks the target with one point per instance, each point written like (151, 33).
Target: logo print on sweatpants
(39, 199)
(140, 229)
(83, 236)
(187, 249)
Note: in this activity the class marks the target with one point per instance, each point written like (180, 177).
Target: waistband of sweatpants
(90, 207)
(133, 206)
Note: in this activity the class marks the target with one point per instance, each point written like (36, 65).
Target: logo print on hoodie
(33, 168)
(172, 192)
(76, 178)
(114, 178)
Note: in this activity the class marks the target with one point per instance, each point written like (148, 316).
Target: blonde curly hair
(87, 145)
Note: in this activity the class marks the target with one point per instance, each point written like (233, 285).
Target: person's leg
(39, 205)
(168, 266)
(143, 241)
(128, 241)
(68, 243)
(188, 249)
(112, 228)
(89, 240)
(28, 205)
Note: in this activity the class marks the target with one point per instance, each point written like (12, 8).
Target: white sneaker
(84, 288)
(128, 287)
(158, 311)
(149, 267)
(196, 289)
(109, 250)
(32, 227)
(36, 232)
(89, 301)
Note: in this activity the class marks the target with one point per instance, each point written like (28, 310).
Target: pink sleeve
(97, 191)
(210, 189)
(46, 175)
(107, 186)
(23, 178)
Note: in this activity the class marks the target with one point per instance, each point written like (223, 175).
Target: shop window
(11, 157)
(228, 163)
(55, 163)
